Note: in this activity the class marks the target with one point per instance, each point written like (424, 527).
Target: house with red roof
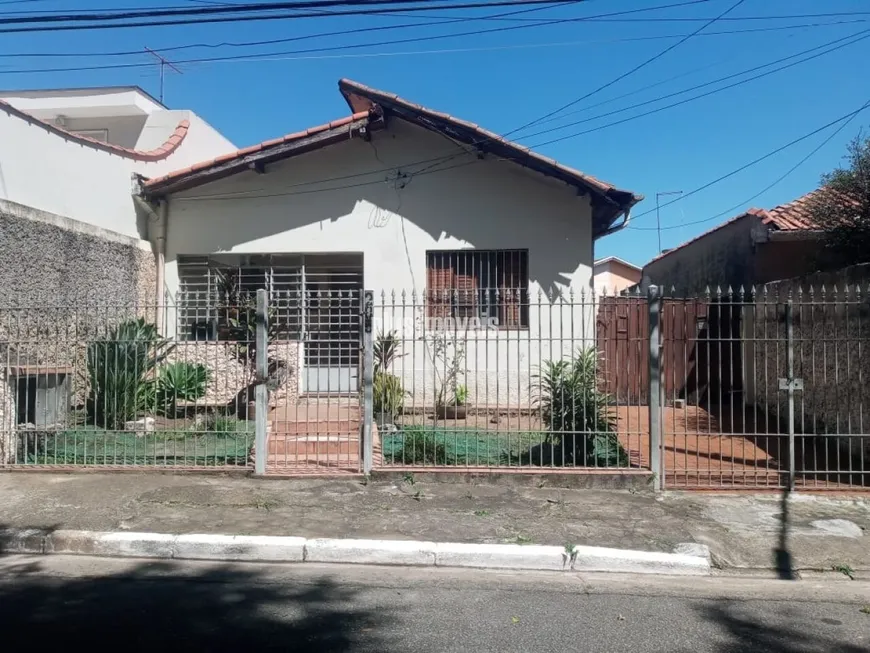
(438, 216)
(753, 248)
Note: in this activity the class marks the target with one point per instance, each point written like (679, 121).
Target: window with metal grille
(483, 284)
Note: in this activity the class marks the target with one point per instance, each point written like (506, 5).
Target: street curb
(258, 548)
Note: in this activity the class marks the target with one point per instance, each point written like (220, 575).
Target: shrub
(386, 351)
(580, 428)
(118, 369)
(388, 396)
(176, 382)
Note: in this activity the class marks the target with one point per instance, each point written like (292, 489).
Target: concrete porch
(316, 436)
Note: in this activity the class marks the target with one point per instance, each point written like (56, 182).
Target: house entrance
(315, 300)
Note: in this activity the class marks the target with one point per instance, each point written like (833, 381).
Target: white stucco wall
(393, 220)
(43, 170)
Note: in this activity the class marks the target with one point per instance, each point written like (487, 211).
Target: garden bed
(175, 448)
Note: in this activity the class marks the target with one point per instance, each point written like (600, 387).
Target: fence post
(655, 387)
(790, 384)
(368, 380)
(261, 392)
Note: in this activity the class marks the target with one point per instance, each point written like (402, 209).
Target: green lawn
(444, 446)
(439, 446)
(163, 448)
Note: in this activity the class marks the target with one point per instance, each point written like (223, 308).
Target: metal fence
(729, 389)
(97, 384)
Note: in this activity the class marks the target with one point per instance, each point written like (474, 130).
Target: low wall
(61, 281)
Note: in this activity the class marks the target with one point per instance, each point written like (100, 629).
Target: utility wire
(703, 85)
(232, 44)
(779, 179)
(865, 33)
(431, 163)
(356, 46)
(359, 11)
(764, 157)
(251, 7)
(619, 78)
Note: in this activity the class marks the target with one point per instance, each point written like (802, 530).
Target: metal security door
(333, 290)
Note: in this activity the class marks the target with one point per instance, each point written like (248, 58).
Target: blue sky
(504, 80)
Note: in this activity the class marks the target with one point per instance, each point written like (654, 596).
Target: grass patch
(439, 446)
(175, 447)
(433, 445)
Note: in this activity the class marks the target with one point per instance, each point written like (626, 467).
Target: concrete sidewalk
(743, 531)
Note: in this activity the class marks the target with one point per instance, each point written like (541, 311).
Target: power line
(444, 159)
(251, 7)
(764, 157)
(788, 172)
(416, 39)
(629, 72)
(703, 95)
(299, 38)
(264, 17)
(703, 85)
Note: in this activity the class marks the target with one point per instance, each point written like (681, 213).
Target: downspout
(160, 252)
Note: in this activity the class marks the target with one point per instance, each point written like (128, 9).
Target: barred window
(483, 284)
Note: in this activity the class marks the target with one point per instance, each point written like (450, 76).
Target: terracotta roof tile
(157, 154)
(259, 147)
(359, 96)
(793, 216)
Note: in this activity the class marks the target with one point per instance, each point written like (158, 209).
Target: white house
(72, 152)
(437, 216)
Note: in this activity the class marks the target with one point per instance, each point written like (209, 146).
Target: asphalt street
(86, 603)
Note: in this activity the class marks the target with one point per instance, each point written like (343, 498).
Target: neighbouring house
(68, 223)
(613, 275)
(753, 248)
(441, 218)
(71, 234)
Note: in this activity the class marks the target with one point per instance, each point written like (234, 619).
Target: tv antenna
(164, 62)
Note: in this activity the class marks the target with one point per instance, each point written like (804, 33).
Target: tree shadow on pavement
(746, 632)
(165, 606)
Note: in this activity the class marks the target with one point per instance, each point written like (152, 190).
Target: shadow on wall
(489, 204)
(168, 607)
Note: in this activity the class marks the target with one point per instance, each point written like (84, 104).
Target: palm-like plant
(575, 412)
(119, 368)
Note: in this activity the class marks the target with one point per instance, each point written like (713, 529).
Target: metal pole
(658, 217)
(368, 380)
(261, 392)
(655, 388)
(789, 324)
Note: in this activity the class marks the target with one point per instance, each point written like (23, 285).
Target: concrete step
(320, 445)
(315, 427)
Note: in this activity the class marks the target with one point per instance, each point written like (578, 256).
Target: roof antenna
(163, 63)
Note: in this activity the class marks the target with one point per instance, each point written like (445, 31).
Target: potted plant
(451, 399)
(457, 408)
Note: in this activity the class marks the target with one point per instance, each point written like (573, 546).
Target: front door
(333, 290)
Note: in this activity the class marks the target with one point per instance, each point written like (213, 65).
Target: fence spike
(707, 291)
(718, 292)
(571, 294)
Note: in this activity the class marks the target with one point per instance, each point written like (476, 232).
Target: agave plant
(575, 412)
(119, 368)
(180, 381)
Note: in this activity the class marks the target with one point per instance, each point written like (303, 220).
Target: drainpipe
(160, 251)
